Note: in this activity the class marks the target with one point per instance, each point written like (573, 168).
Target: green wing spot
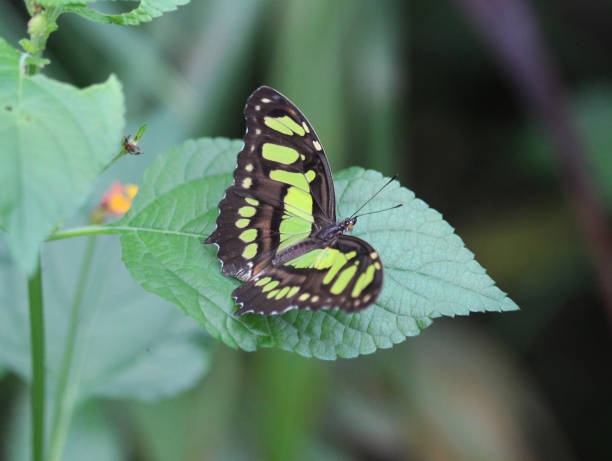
(298, 217)
(324, 259)
(277, 126)
(321, 258)
(307, 259)
(290, 123)
(247, 211)
(363, 281)
(300, 203)
(280, 154)
(249, 251)
(248, 235)
(343, 280)
(310, 175)
(340, 259)
(292, 229)
(282, 292)
(293, 179)
(270, 286)
(272, 294)
(242, 223)
(252, 201)
(293, 291)
(263, 281)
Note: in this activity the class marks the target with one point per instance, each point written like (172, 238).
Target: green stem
(85, 230)
(116, 229)
(42, 24)
(121, 153)
(67, 381)
(37, 339)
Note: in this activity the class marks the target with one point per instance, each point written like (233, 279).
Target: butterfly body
(335, 230)
(277, 228)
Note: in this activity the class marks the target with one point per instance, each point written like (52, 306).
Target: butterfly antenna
(380, 211)
(378, 192)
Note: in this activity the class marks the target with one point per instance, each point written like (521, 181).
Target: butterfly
(277, 229)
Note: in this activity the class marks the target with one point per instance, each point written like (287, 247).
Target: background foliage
(394, 86)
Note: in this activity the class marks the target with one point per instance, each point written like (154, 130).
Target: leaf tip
(507, 305)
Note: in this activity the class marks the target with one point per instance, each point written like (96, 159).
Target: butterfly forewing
(282, 189)
(272, 120)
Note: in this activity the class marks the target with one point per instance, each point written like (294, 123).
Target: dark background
(414, 88)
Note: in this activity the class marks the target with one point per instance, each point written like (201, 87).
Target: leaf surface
(55, 139)
(428, 270)
(146, 11)
(130, 344)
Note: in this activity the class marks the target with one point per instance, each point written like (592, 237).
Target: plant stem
(37, 339)
(121, 153)
(85, 230)
(42, 24)
(68, 381)
(115, 229)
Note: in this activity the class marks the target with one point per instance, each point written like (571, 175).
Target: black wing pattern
(282, 191)
(277, 229)
(346, 274)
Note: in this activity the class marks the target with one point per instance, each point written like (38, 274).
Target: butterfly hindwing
(347, 274)
(282, 188)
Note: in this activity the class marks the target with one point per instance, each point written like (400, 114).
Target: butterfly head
(347, 224)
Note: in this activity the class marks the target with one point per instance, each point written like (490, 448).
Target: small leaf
(141, 131)
(428, 271)
(55, 140)
(27, 45)
(129, 343)
(145, 12)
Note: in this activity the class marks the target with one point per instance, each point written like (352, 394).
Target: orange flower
(115, 201)
(118, 198)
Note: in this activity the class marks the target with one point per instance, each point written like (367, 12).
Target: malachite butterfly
(277, 228)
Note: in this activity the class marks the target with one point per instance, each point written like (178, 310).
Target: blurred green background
(405, 87)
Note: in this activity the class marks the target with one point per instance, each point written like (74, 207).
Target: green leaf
(129, 343)
(428, 271)
(146, 11)
(55, 140)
